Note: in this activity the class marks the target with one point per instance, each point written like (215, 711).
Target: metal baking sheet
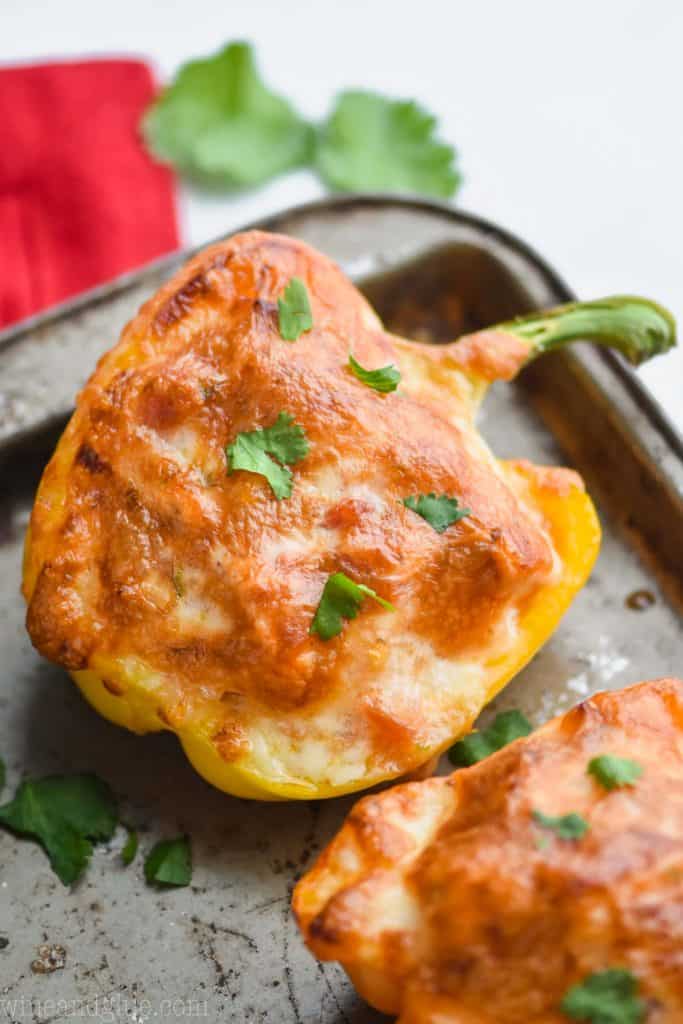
(227, 948)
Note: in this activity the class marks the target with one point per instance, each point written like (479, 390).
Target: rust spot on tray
(50, 958)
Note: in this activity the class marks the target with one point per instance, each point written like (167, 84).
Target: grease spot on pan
(640, 600)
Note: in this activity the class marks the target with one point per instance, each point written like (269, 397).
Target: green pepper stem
(637, 327)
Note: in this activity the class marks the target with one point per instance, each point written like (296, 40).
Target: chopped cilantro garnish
(169, 862)
(506, 727)
(385, 379)
(568, 826)
(613, 772)
(65, 814)
(606, 997)
(252, 451)
(294, 310)
(130, 847)
(341, 599)
(440, 512)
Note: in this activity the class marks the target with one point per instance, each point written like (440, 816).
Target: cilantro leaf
(568, 826)
(219, 123)
(285, 439)
(169, 862)
(251, 451)
(130, 847)
(63, 813)
(247, 455)
(385, 379)
(606, 997)
(372, 142)
(440, 512)
(613, 772)
(294, 310)
(506, 727)
(341, 599)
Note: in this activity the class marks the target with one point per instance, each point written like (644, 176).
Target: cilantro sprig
(506, 727)
(268, 452)
(440, 511)
(567, 826)
(341, 599)
(219, 123)
(614, 772)
(169, 862)
(294, 310)
(606, 997)
(66, 815)
(384, 380)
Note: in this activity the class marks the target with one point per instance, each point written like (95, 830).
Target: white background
(568, 116)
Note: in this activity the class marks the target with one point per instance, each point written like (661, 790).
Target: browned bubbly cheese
(448, 903)
(147, 555)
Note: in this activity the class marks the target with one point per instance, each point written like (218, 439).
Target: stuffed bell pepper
(273, 528)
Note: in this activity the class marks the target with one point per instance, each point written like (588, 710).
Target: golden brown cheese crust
(143, 548)
(444, 904)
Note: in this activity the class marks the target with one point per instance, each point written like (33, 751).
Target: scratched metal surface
(226, 948)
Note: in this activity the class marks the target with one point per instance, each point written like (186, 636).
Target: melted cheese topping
(446, 902)
(145, 552)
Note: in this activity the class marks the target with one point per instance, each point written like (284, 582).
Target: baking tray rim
(645, 401)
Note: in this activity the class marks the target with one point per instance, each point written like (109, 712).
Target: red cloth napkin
(80, 199)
